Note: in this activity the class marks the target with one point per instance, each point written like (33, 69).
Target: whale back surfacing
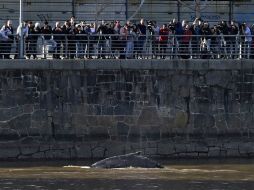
(127, 160)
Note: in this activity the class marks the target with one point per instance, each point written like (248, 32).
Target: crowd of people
(144, 39)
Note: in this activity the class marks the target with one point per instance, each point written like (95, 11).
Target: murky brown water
(177, 175)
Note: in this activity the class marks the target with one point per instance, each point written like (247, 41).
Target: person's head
(128, 22)
(72, 19)
(164, 26)
(37, 25)
(79, 27)
(142, 21)
(126, 26)
(30, 24)
(206, 25)
(117, 23)
(58, 25)
(244, 25)
(9, 23)
(25, 22)
(67, 23)
(184, 22)
(83, 23)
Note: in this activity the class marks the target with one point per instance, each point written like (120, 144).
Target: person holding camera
(141, 31)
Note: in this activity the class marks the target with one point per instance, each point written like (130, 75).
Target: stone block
(166, 148)
(115, 148)
(29, 150)
(203, 121)
(21, 123)
(181, 119)
(180, 148)
(150, 151)
(83, 150)
(149, 116)
(99, 152)
(7, 133)
(10, 113)
(28, 108)
(219, 78)
(9, 150)
(214, 152)
(39, 115)
(151, 133)
(246, 149)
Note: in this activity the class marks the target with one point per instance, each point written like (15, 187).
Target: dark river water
(177, 175)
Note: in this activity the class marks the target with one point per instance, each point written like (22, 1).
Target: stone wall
(97, 108)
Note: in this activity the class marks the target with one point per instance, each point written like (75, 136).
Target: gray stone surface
(97, 108)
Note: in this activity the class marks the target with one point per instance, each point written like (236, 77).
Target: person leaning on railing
(163, 40)
(196, 28)
(71, 42)
(141, 32)
(58, 34)
(7, 39)
(101, 32)
(130, 41)
(81, 37)
(186, 40)
(233, 43)
(206, 35)
(48, 44)
(22, 32)
(247, 41)
(34, 32)
(123, 40)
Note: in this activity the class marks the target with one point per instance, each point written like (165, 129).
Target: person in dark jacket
(102, 32)
(33, 34)
(81, 37)
(46, 31)
(178, 32)
(163, 40)
(71, 36)
(141, 31)
(58, 35)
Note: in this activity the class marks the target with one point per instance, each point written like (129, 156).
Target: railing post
(21, 39)
(88, 45)
(66, 46)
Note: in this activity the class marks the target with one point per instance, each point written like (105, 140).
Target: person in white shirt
(247, 40)
(7, 38)
(22, 32)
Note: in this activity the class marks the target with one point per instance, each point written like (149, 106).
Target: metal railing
(82, 46)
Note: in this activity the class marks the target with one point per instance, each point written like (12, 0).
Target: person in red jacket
(186, 40)
(163, 40)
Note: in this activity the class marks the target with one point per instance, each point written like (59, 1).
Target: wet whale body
(127, 160)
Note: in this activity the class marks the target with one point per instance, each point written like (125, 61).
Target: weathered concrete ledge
(109, 64)
(96, 108)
